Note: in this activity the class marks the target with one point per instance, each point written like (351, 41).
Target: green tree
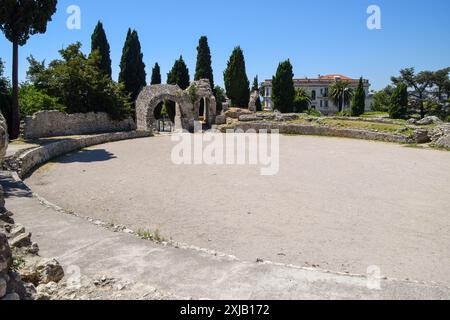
(255, 88)
(220, 98)
(398, 107)
(419, 83)
(100, 43)
(156, 75)
(283, 91)
(132, 67)
(32, 100)
(381, 99)
(78, 84)
(179, 74)
(18, 21)
(237, 85)
(302, 100)
(441, 81)
(341, 94)
(359, 100)
(203, 68)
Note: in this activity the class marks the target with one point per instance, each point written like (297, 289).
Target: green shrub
(344, 113)
(32, 100)
(79, 85)
(314, 113)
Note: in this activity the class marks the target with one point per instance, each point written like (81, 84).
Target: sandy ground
(337, 204)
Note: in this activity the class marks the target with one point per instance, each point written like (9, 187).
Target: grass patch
(17, 263)
(373, 126)
(375, 114)
(151, 235)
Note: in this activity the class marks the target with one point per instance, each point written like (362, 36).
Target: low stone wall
(27, 160)
(54, 123)
(315, 130)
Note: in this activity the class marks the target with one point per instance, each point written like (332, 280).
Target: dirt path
(337, 204)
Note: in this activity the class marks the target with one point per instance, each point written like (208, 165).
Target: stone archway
(187, 106)
(151, 96)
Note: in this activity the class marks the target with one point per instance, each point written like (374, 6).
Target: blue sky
(318, 36)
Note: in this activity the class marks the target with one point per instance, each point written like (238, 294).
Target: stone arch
(187, 110)
(204, 94)
(151, 96)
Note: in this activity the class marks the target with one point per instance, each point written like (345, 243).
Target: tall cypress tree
(398, 107)
(236, 82)
(156, 75)
(179, 74)
(100, 43)
(203, 69)
(359, 100)
(132, 67)
(283, 91)
(255, 87)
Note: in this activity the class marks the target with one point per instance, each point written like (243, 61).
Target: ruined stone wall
(54, 123)
(25, 161)
(313, 130)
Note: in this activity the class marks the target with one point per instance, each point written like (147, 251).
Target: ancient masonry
(54, 123)
(188, 104)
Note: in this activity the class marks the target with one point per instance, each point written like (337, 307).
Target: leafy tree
(19, 20)
(156, 75)
(220, 98)
(5, 96)
(359, 100)
(419, 83)
(179, 74)
(256, 88)
(100, 43)
(302, 100)
(32, 100)
(237, 85)
(381, 99)
(203, 69)
(78, 84)
(398, 107)
(442, 82)
(341, 94)
(283, 91)
(132, 67)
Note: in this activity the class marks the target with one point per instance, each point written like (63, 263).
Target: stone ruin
(187, 105)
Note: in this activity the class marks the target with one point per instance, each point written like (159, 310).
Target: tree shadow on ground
(14, 188)
(86, 156)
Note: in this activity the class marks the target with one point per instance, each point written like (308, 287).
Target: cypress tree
(203, 69)
(359, 100)
(132, 67)
(237, 85)
(283, 91)
(156, 75)
(100, 42)
(255, 87)
(398, 106)
(179, 74)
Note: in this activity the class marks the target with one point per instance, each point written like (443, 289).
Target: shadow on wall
(87, 156)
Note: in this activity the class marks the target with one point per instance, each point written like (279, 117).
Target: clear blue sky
(319, 36)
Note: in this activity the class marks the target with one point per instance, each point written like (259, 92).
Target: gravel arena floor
(337, 204)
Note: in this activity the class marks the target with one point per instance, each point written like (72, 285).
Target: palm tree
(302, 100)
(341, 94)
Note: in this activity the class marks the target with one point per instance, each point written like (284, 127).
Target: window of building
(313, 95)
(321, 104)
(326, 103)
